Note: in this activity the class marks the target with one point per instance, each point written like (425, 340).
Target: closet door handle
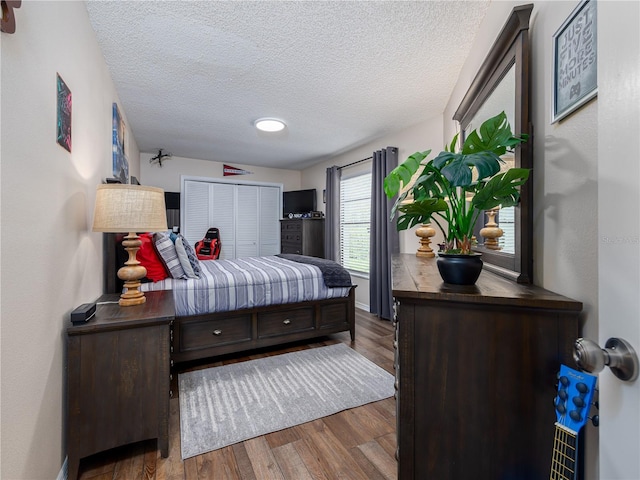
(217, 332)
(287, 322)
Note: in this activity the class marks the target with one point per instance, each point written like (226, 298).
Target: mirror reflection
(496, 230)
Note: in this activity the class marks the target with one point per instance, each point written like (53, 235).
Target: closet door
(196, 211)
(247, 227)
(269, 221)
(247, 216)
(223, 215)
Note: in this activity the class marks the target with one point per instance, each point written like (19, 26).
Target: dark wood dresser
(118, 378)
(303, 236)
(476, 374)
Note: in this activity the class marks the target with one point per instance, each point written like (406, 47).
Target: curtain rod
(355, 163)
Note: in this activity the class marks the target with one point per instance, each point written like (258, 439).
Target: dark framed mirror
(503, 83)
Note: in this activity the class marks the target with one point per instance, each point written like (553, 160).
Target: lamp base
(132, 296)
(424, 233)
(131, 273)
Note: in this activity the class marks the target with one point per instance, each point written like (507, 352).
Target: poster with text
(575, 61)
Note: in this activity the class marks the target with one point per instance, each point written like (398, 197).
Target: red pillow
(148, 258)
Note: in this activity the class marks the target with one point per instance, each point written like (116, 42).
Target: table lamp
(123, 208)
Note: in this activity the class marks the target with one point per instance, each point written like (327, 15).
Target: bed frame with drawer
(204, 336)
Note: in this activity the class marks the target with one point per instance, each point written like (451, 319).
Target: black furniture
(476, 373)
(118, 378)
(302, 236)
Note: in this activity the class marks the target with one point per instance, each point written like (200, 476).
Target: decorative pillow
(168, 255)
(184, 259)
(191, 253)
(148, 258)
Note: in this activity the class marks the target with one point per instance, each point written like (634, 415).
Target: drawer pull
(217, 332)
(287, 321)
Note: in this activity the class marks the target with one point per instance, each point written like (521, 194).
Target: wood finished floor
(355, 444)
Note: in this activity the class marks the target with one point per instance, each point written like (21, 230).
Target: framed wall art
(120, 162)
(63, 116)
(575, 78)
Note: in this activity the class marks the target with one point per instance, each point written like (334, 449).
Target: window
(506, 221)
(355, 222)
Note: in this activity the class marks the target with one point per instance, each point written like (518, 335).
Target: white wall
(51, 262)
(168, 176)
(422, 136)
(564, 174)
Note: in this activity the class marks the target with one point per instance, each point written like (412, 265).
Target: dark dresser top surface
(418, 278)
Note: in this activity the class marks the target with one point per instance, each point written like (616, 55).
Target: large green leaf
(430, 183)
(402, 174)
(490, 136)
(501, 190)
(419, 212)
(459, 169)
(494, 135)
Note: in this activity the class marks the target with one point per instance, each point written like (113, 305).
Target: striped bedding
(239, 283)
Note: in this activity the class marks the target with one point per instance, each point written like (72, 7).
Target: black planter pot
(459, 269)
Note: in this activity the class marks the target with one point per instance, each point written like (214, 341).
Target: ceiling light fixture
(269, 124)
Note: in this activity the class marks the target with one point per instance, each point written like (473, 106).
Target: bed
(276, 309)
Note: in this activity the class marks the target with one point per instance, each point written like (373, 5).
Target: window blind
(355, 222)
(506, 221)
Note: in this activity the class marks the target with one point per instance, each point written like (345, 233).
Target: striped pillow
(191, 254)
(184, 259)
(168, 255)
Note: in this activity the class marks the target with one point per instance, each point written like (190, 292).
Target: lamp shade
(127, 208)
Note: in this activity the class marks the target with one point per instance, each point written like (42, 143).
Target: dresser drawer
(288, 321)
(291, 226)
(195, 335)
(291, 248)
(291, 237)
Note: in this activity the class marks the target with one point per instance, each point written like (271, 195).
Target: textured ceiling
(192, 77)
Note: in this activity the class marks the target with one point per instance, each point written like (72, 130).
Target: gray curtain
(332, 214)
(384, 240)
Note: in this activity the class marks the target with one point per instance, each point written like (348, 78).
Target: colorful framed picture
(120, 162)
(575, 65)
(63, 117)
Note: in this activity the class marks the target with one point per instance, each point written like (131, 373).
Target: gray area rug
(224, 405)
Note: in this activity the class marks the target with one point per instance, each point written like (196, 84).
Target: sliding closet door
(223, 215)
(257, 222)
(248, 216)
(209, 205)
(195, 211)
(269, 221)
(247, 221)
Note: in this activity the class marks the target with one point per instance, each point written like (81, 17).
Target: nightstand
(118, 378)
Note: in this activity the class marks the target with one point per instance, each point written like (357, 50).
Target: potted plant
(454, 188)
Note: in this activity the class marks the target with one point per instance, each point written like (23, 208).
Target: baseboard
(62, 475)
(362, 306)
